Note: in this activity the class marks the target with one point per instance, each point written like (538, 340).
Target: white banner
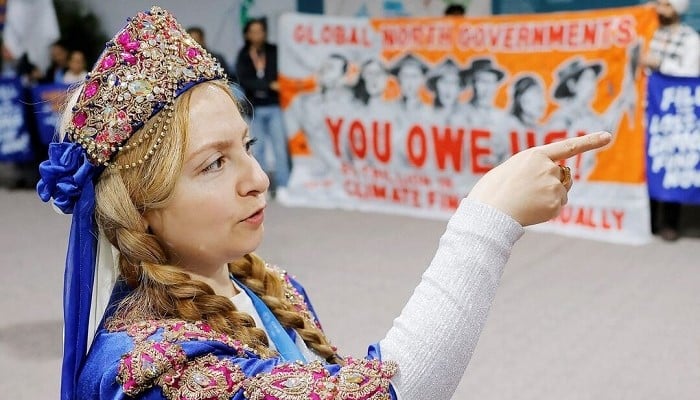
(404, 115)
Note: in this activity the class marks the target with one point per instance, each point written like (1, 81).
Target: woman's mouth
(256, 218)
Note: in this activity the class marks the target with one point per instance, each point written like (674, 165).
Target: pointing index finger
(570, 147)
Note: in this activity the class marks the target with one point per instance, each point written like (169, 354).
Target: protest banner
(673, 139)
(403, 115)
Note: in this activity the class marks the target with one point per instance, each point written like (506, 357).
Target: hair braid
(252, 271)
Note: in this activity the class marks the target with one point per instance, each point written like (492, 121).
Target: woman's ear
(151, 219)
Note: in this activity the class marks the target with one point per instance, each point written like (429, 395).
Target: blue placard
(673, 139)
(48, 102)
(15, 142)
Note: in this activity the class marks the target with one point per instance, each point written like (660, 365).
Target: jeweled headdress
(142, 70)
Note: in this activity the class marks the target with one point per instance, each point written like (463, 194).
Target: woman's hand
(528, 186)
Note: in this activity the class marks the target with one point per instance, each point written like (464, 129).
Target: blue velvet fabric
(67, 178)
(98, 377)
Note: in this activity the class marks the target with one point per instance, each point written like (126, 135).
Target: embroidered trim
(289, 382)
(296, 299)
(358, 380)
(179, 331)
(204, 378)
(365, 379)
(145, 362)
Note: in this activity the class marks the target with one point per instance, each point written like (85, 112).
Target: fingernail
(605, 135)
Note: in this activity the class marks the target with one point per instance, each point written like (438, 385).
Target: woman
(194, 313)
(256, 67)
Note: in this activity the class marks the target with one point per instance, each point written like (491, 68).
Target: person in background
(199, 36)
(256, 67)
(455, 10)
(59, 63)
(674, 50)
(77, 68)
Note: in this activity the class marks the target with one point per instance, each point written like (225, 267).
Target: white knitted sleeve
(435, 335)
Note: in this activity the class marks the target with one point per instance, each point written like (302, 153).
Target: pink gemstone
(192, 53)
(108, 62)
(79, 119)
(91, 89)
(131, 46)
(102, 137)
(129, 58)
(124, 38)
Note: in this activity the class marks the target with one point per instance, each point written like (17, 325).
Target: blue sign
(48, 103)
(673, 139)
(14, 137)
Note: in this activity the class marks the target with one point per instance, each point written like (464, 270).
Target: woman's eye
(249, 144)
(216, 165)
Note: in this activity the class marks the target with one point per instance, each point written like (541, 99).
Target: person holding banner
(156, 168)
(674, 50)
(675, 47)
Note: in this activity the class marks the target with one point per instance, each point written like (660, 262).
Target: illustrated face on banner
(411, 78)
(533, 103)
(485, 85)
(331, 72)
(584, 88)
(448, 88)
(375, 79)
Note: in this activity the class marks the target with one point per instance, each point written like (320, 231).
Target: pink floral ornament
(192, 53)
(79, 119)
(91, 89)
(108, 62)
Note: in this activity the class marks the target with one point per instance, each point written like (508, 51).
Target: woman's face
(331, 72)
(215, 214)
(532, 102)
(256, 34)
(585, 86)
(410, 79)
(448, 87)
(76, 62)
(375, 79)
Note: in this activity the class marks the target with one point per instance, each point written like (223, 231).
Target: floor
(572, 319)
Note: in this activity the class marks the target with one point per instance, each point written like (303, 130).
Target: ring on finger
(565, 175)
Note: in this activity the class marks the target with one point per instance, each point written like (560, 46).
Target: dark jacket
(257, 89)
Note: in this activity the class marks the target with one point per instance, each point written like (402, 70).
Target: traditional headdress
(681, 6)
(142, 70)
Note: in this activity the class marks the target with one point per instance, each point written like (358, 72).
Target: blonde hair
(160, 290)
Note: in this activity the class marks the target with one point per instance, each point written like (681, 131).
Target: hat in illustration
(572, 70)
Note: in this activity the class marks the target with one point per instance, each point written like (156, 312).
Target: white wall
(219, 18)
(388, 8)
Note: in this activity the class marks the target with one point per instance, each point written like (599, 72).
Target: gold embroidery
(178, 331)
(297, 301)
(286, 382)
(146, 362)
(359, 380)
(204, 378)
(365, 379)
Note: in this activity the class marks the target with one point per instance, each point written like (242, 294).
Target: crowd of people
(673, 51)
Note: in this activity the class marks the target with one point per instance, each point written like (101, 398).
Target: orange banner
(421, 104)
